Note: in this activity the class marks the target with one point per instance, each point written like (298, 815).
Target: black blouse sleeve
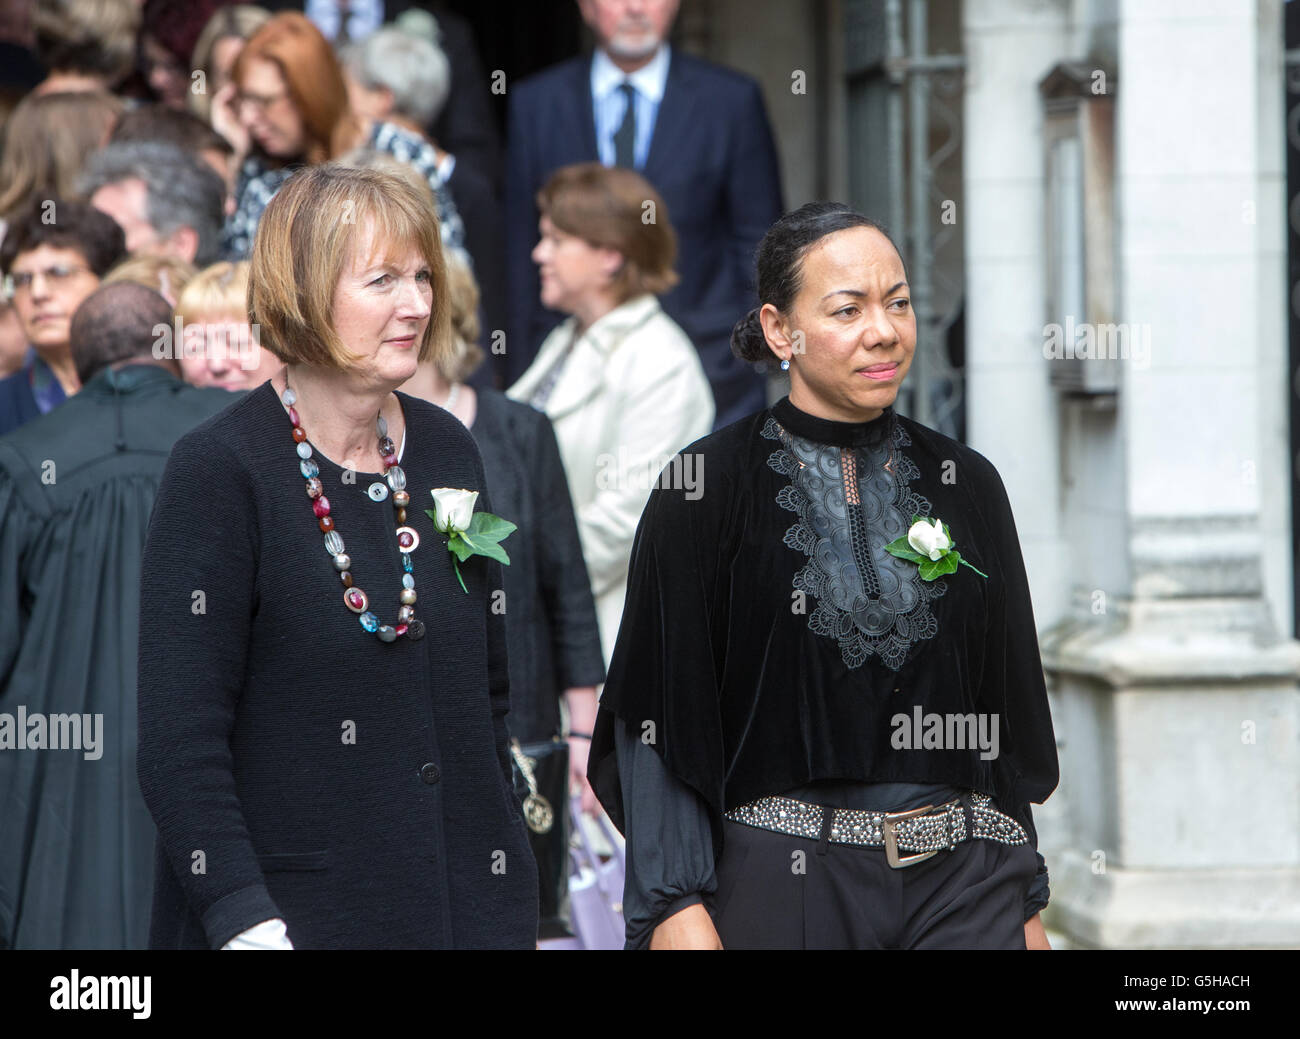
(669, 841)
(1039, 893)
(663, 678)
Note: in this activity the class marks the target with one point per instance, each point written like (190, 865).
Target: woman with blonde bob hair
(334, 745)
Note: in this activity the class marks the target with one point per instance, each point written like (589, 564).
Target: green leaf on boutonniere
(484, 533)
(480, 538)
(489, 528)
(945, 564)
(902, 548)
(480, 546)
(459, 547)
(930, 569)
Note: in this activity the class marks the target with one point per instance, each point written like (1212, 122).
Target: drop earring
(785, 365)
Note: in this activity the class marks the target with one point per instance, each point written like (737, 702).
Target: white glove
(268, 935)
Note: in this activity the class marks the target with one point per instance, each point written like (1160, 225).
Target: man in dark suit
(697, 131)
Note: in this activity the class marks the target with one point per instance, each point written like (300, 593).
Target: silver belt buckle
(891, 838)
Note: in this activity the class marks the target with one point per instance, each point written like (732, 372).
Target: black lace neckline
(829, 431)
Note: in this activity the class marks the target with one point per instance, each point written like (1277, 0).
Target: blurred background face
(49, 285)
(629, 28)
(367, 102)
(224, 53)
(572, 271)
(125, 202)
(222, 352)
(167, 78)
(855, 312)
(268, 113)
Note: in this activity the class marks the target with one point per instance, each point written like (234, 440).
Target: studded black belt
(926, 831)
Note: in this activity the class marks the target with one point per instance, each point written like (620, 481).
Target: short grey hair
(180, 190)
(414, 68)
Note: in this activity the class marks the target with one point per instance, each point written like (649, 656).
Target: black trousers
(781, 892)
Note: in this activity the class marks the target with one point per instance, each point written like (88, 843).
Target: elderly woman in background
(551, 624)
(403, 79)
(620, 380)
(399, 78)
(288, 106)
(218, 347)
(337, 757)
(50, 267)
(555, 654)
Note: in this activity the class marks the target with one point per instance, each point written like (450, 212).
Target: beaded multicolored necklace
(408, 540)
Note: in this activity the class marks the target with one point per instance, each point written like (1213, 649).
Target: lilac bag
(595, 889)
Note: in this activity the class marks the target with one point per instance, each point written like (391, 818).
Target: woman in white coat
(620, 381)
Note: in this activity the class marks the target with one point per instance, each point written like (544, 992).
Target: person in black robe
(773, 647)
(76, 489)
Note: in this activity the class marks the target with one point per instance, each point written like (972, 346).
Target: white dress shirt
(609, 106)
(268, 935)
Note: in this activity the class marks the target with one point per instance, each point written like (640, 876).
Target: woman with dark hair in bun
(825, 717)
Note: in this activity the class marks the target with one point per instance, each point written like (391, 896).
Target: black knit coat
(296, 766)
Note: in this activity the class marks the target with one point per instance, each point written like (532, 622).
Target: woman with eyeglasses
(287, 106)
(50, 266)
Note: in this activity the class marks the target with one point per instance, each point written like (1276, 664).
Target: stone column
(1175, 691)
(1012, 415)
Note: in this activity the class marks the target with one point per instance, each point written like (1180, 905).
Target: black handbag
(541, 774)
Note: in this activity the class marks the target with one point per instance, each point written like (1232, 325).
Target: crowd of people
(247, 246)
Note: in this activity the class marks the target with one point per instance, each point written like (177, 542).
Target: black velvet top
(770, 642)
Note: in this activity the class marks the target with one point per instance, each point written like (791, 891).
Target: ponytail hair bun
(747, 339)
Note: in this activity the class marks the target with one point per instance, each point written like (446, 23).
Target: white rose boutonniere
(469, 533)
(929, 544)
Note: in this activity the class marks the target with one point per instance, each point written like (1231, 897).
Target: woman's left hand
(582, 705)
(579, 750)
(1036, 934)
